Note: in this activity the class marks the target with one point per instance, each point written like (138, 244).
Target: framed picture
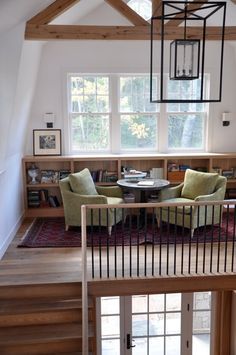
(47, 142)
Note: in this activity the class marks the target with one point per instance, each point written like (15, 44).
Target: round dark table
(158, 184)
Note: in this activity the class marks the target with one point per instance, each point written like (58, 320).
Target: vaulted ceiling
(60, 19)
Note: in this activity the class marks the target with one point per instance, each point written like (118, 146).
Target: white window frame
(115, 121)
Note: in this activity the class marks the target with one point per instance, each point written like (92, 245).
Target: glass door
(159, 324)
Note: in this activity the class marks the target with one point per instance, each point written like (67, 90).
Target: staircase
(43, 319)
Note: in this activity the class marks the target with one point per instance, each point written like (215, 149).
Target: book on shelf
(183, 167)
(53, 201)
(63, 174)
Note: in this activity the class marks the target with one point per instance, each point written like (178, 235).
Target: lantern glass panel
(184, 59)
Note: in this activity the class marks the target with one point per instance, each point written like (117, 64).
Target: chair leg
(66, 227)
(192, 233)
(109, 230)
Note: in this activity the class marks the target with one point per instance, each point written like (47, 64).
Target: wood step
(46, 339)
(55, 290)
(41, 312)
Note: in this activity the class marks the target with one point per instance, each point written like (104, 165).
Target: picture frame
(47, 142)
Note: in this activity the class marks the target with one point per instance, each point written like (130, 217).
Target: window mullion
(114, 116)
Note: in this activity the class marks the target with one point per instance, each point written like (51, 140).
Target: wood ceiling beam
(156, 11)
(73, 32)
(52, 11)
(156, 7)
(127, 12)
(191, 7)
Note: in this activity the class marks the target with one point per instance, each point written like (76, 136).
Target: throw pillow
(82, 183)
(197, 183)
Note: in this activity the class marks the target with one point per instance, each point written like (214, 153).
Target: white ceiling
(14, 12)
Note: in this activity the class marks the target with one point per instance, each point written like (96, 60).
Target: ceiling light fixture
(186, 57)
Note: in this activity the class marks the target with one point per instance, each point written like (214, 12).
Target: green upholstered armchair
(78, 189)
(197, 186)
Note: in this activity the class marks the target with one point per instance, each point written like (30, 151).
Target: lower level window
(161, 324)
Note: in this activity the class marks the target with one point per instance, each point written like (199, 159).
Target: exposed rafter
(37, 28)
(127, 12)
(65, 32)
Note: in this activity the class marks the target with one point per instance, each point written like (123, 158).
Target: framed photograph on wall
(47, 142)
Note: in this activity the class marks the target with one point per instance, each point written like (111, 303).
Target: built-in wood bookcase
(106, 169)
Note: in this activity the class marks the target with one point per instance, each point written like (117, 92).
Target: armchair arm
(77, 200)
(171, 192)
(217, 195)
(110, 191)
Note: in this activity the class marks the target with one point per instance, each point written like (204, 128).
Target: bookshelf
(106, 169)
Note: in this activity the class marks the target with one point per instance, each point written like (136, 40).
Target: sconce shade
(189, 56)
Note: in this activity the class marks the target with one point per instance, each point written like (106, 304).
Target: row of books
(184, 167)
(40, 198)
(104, 176)
(50, 176)
(178, 167)
(229, 173)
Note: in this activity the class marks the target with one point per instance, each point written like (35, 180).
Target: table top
(158, 184)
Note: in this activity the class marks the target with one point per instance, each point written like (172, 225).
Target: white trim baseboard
(10, 236)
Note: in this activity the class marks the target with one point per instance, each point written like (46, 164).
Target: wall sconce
(49, 119)
(226, 118)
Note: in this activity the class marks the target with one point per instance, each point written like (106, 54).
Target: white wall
(119, 56)
(18, 71)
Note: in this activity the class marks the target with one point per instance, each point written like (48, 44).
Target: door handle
(129, 342)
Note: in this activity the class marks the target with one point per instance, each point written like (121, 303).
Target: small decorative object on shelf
(33, 173)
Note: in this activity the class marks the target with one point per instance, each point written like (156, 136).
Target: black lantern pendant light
(188, 52)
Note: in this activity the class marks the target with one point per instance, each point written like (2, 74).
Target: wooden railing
(156, 240)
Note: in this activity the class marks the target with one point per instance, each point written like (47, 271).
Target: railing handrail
(161, 204)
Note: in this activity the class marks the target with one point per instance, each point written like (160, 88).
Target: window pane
(156, 324)
(201, 322)
(138, 131)
(173, 323)
(173, 345)
(90, 132)
(110, 305)
(141, 346)
(139, 304)
(202, 300)
(201, 344)
(156, 346)
(111, 347)
(139, 325)
(156, 303)
(173, 302)
(135, 94)
(185, 131)
(110, 326)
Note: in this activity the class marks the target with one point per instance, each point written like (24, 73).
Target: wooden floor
(38, 265)
(21, 266)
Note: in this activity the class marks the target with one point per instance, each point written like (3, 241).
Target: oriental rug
(50, 232)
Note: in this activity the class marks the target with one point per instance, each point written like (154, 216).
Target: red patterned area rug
(50, 232)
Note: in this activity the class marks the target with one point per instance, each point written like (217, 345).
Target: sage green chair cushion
(82, 183)
(197, 183)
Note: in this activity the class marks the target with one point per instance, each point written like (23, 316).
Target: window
(160, 324)
(142, 7)
(89, 113)
(113, 113)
